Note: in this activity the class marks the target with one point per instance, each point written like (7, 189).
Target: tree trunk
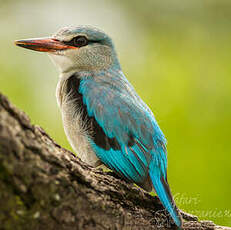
(43, 186)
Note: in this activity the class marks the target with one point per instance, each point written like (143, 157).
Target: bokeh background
(177, 54)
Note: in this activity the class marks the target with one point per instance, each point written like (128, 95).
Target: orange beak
(43, 44)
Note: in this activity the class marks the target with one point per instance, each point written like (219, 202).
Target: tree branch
(43, 186)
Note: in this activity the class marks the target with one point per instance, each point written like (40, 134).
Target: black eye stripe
(78, 41)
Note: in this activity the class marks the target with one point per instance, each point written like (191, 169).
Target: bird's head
(82, 48)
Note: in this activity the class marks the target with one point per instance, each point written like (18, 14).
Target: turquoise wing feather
(131, 142)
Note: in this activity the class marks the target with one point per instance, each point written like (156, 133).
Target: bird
(104, 119)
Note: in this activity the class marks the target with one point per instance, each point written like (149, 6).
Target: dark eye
(80, 41)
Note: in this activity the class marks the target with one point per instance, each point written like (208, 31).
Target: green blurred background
(176, 53)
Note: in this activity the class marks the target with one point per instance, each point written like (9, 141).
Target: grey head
(81, 48)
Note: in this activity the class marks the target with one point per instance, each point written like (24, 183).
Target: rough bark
(43, 186)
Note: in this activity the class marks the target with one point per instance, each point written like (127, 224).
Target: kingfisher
(104, 119)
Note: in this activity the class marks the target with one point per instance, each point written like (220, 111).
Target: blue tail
(162, 189)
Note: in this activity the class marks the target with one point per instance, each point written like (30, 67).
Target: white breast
(76, 131)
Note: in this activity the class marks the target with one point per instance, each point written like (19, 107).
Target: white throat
(61, 61)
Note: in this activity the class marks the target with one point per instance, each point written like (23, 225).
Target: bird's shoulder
(117, 108)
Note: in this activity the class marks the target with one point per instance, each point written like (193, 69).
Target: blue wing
(127, 138)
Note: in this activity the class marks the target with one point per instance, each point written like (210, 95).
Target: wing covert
(126, 136)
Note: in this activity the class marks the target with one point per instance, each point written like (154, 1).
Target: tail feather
(163, 191)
